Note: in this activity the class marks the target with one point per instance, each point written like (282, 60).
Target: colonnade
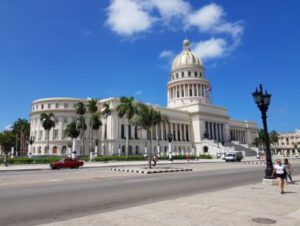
(238, 135)
(187, 90)
(216, 131)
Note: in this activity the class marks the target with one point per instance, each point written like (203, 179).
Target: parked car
(67, 163)
(236, 156)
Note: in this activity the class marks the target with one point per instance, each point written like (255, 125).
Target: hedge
(119, 158)
(26, 160)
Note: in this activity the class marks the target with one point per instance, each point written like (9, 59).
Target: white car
(234, 156)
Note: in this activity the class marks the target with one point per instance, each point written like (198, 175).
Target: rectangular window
(189, 73)
(174, 132)
(129, 132)
(56, 120)
(195, 73)
(66, 105)
(42, 106)
(55, 134)
(105, 132)
(136, 135)
(187, 133)
(123, 131)
(40, 134)
(178, 133)
(65, 120)
(56, 105)
(165, 131)
(49, 106)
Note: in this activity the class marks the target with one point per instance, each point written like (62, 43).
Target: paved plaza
(255, 204)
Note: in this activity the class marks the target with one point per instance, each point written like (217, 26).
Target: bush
(119, 158)
(84, 158)
(36, 160)
(202, 156)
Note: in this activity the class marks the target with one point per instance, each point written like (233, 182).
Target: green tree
(106, 112)
(7, 140)
(260, 140)
(274, 136)
(21, 128)
(95, 124)
(127, 109)
(92, 109)
(47, 123)
(72, 132)
(147, 118)
(81, 125)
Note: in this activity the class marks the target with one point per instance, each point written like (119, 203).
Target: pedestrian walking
(154, 159)
(279, 172)
(288, 169)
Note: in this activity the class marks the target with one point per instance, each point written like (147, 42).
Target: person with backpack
(288, 169)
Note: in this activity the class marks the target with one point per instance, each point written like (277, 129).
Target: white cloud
(171, 9)
(167, 54)
(127, 17)
(207, 17)
(8, 127)
(212, 48)
(130, 17)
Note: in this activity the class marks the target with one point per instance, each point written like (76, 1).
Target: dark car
(67, 163)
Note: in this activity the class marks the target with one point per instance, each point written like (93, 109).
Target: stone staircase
(237, 147)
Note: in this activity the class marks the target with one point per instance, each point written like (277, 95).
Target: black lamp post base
(269, 172)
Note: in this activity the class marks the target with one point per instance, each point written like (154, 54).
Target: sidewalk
(244, 205)
(32, 167)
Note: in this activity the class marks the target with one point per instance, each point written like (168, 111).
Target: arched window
(64, 150)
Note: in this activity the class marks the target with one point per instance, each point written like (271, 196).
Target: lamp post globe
(263, 101)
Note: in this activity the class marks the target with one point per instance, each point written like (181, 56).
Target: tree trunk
(48, 146)
(73, 148)
(90, 141)
(127, 143)
(150, 150)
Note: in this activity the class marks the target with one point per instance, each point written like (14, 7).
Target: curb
(149, 171)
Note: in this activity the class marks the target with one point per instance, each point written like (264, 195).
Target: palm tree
(48, 124)
(127, 108)
(81, 110)
(92, 109)
(72, 132)
(21, 128)
(147, 118)
(106, 112)
(95, 124)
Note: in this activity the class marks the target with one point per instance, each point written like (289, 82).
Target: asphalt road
(31, 198)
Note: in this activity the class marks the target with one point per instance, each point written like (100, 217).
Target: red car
(67, 163)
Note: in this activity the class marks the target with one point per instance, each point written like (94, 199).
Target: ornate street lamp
(30, 141)
(170, 138)
(263, 101)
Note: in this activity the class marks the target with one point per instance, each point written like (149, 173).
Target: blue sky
(102, 48)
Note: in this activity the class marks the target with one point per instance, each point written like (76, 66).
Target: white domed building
(197, 126)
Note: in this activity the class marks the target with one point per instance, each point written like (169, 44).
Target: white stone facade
(288, 144)
(197, 126)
